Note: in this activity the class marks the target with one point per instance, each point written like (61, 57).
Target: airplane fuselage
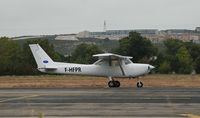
(130, 70)
(108, 65)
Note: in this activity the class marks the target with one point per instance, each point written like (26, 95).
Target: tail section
(42, 59)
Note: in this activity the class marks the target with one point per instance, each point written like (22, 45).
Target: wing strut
(120, 65)
(110, 61)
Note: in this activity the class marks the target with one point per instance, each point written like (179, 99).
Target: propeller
(150, 67)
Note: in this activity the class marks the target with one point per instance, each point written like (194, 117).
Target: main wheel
(117, 84)
(140, 84)
(111, 84)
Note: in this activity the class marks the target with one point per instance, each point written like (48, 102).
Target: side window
(106, 62)
(115, 63)
(102, 62)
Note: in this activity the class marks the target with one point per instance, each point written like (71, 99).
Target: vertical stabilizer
(41, 57)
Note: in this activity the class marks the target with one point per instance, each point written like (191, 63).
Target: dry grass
(67, 81)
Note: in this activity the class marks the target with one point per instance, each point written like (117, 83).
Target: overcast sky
(33, 17)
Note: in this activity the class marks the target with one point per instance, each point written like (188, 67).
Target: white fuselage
(129, 70)
(109, 65)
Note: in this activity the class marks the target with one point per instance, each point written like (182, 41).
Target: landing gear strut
(113, 84)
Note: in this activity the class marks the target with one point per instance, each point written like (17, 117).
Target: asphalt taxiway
(97, 102)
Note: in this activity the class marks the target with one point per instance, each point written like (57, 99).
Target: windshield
(127, 61)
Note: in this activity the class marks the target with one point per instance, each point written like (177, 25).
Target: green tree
(165, 67)
(172, 45)
(140, 48)
(184, 61)
(197, 65)
(10, 57)
(83, 53)
(173, 55)
(194, 50)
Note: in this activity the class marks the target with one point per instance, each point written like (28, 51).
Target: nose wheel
(114, 84)
(139, 84)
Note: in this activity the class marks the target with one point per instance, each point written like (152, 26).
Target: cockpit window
(115, 63)
(102, 62)
(127, 61)
(107, 63)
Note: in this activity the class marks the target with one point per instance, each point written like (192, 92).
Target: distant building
(117, 34)
(197, 29)
(84, 34)
(178, 31)
(154, 35)
(69, 37)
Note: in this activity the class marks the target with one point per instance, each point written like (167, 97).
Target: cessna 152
(109, 65)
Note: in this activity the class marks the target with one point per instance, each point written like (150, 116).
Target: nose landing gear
(139, 84)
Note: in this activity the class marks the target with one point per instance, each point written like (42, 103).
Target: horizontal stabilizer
(49, 68)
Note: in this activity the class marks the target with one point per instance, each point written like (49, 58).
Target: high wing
(111, 56)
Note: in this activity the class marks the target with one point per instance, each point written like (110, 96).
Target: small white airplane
(109, 65)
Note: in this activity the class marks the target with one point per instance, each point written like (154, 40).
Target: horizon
(98, 31)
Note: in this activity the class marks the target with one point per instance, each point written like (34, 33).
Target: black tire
(140, 84)
(111, 84)
(117, 84)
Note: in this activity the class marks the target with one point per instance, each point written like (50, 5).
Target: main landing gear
(113, 84)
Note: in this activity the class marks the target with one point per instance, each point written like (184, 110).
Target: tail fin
(41, 57)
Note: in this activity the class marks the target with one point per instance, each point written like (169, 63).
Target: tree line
(173, 56)
(16, 59)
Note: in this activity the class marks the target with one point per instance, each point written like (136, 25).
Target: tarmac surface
(101, 102)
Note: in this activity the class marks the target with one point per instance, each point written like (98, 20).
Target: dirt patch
(68, 81)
